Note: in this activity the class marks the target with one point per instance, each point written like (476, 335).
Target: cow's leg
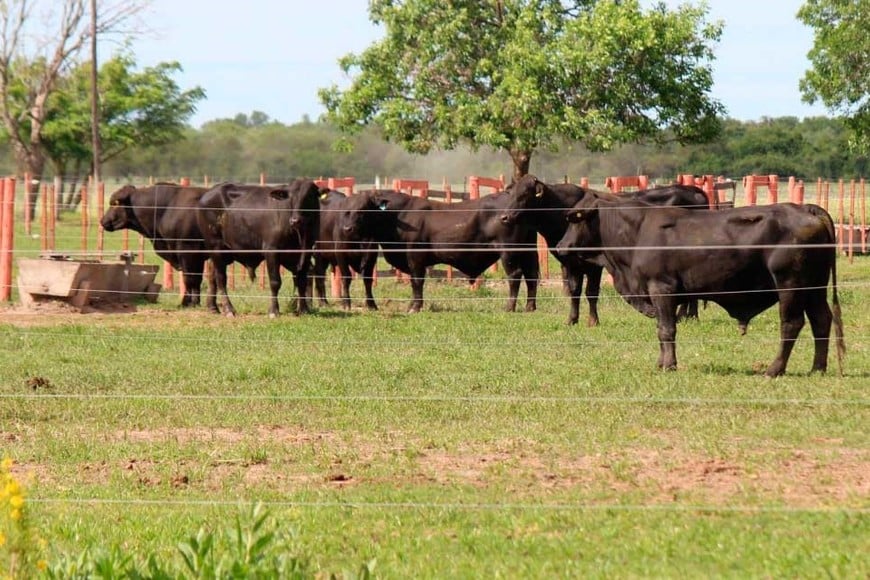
(532, 274)
(821, 318)
(574, 284)
(418, 277)
(211, 297)
(346, 278)
(593, 291)
(666, 321)
(300, 280)
(273, 268)
(514, 272)
(192, 285)
(220, 275)
(791, 321)
(368, 270)
(319, 276)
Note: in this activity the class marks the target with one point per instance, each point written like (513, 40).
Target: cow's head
(358, 218)
(121, 213)
(300, 201)
(527, 193)
(583, 233)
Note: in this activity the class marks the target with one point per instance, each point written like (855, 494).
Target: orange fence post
(851, 220)
(28, 208)
(842, 210)
(52, 220)
(141, 249)
(43, 219)
(184, 182)
(584, 182)
(7, 237)
(863, 218)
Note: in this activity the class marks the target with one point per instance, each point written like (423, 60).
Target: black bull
(250, 223)
(544, 207)
(416, 233)
(165, 213)
(746, 260)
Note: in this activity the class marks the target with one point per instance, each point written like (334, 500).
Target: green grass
(460, 442)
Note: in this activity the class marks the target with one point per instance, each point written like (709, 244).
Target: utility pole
(95, 98)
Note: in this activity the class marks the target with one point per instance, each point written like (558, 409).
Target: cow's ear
(539, 189)
(279, 194)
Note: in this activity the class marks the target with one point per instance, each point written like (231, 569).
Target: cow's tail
(839, 336)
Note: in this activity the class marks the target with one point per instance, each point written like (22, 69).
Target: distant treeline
(248, 145)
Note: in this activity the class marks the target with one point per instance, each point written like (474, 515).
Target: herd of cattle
(664, 247)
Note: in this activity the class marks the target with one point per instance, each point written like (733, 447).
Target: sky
(273, 55)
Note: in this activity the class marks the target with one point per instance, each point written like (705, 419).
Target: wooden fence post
(7, 237)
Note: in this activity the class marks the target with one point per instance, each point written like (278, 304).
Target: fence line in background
(851, 225)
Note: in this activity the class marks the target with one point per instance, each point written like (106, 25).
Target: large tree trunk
(522, 159)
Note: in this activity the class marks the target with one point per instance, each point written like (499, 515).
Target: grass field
(460, 442)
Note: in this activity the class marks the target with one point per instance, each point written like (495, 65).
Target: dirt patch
(831, 475)
(261, 433)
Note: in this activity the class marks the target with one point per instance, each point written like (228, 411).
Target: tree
(840, 59)
(137, 109)
(520, 75)
(27, 79)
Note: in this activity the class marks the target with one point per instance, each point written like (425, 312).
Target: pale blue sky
(273, 55)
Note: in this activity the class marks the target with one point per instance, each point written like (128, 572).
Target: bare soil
(829, 474)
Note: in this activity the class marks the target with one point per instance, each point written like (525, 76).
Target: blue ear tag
(382, 206)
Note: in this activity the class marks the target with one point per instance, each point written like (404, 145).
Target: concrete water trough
(85, 282)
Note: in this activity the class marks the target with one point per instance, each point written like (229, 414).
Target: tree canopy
(840, 59)
(521, 75)
(137, 109)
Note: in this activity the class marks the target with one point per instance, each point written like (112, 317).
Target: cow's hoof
(592, 322)
(230, 314)
(531, 307)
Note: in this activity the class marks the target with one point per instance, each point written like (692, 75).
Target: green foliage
(840, 60)
(137, 109)
(252, 547)
(521, 75)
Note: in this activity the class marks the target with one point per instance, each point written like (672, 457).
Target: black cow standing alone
(346, 241)
(165, 213)
(252, 223)
(745, 259)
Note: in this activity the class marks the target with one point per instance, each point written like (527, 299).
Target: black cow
(346, 242)
(545, 206)
(165, 213)
(745, 259)
(416, 233)
(252, 223)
